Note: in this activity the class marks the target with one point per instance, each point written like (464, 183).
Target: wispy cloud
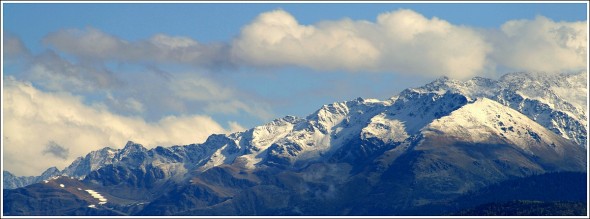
(93, 44)
(56, 150)
(131, 92)
(57, 73)
(13, 47)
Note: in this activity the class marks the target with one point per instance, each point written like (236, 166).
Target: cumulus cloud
(93, 44)
(276, 38)
(32, 118)
(402, 41)
(414, 44)
(541, 45)
(406, 42)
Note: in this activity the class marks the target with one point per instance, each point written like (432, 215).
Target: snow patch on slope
(386, 129)
(97, 196)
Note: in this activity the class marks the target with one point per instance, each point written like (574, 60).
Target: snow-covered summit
(557, 102)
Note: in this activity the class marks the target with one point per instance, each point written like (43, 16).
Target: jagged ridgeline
(420, 152)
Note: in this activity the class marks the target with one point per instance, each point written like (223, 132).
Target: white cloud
(402, 41)
(275, 38)
(541, 45)
(414, 44)
(406, 42)
(33, 118)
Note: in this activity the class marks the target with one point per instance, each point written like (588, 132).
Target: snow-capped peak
(484, 120)
(263, 136)
(557, 102)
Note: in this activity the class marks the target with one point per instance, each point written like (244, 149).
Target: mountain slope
(557, 102)
(481, 143)
(427, 145)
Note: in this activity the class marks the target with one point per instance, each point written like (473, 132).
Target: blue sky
(115, 72)
(220, 22)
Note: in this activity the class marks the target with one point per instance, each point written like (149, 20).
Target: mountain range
(426, 147)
